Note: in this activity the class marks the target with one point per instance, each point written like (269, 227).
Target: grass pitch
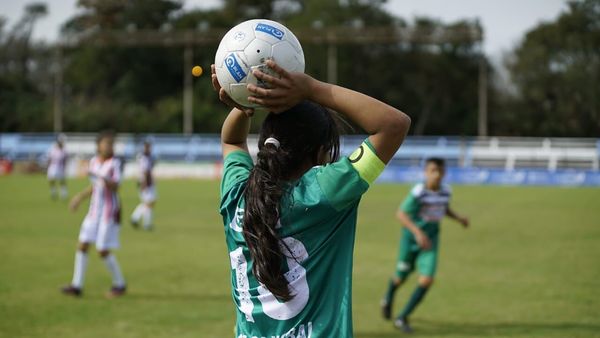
(528, 267)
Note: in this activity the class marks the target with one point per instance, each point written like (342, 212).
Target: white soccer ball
(249, 45)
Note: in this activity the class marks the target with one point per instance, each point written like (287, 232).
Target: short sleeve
(90, 169)
(411, 205)
(346, 180)
(236, 169)
(115, 172)
(366, 162)
(447, 190)
(144, 163)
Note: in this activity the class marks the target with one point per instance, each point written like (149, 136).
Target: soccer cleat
(134, 224)
(70, 290)
(401, 323)
(116, 291)
(386, 309)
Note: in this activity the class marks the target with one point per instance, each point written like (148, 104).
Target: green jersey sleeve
(236, 169)
(366, 163)
(346, 180)
(411, 204)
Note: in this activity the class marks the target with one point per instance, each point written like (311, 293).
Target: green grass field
(528, 267)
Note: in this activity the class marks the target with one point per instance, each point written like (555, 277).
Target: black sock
(391, 291)
(414, 300)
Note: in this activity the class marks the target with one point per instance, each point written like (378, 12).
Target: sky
(505, 22)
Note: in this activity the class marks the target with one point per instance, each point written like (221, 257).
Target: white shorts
(103, 235)
(148, 195)
(55, 174)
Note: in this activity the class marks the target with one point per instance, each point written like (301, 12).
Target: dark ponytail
(303, 133)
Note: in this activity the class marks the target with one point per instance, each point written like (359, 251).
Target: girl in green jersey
(290, 216)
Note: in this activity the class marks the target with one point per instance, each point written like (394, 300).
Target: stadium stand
(496, 160)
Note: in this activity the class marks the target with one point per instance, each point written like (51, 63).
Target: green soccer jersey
(317, 223)
(426, 208)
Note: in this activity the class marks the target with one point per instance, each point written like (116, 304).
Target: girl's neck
(432, 187)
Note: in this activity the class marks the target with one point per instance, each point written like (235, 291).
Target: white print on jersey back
(239, 264)
(236, 222)
(299, 332)
(296, 278)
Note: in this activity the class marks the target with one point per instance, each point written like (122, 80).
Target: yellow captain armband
(365, 161)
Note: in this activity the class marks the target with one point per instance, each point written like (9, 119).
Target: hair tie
(273, 141)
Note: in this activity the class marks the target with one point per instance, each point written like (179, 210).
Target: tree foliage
(23, 96)
(555, 70)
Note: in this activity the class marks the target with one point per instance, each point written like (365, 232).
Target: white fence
(199, 155)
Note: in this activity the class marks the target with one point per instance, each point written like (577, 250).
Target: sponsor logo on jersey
(302, 331)
(234, 68)
(268, 29)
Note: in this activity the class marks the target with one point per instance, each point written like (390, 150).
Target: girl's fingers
(272, 94)
(222, 95)
(258, 90)
(275, 106)
(213, 77)
(257, 100)
(269, 79)
(267, 101)
(284, 73)
(226, 99)
(215, 83)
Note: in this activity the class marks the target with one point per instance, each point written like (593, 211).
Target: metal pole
(482, 128)
(188, 56)
(58, 97)
(332, 66)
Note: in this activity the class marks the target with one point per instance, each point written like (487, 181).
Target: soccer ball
(248, 46)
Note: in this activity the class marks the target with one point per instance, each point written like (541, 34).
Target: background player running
(57, 162)
(143, 212)
(420, 213)
(101, 224)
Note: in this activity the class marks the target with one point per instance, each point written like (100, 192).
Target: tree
(557, 73)
(141, 88)
(23, 104)
(133, 86)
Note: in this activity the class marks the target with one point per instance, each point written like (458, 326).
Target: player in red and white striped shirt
(57, 162)
(143, 212)
(101, 225)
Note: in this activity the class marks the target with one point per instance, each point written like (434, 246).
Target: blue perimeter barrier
(475, 176)
(402, 169)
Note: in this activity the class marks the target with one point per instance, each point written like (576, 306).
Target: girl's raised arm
(386, 125)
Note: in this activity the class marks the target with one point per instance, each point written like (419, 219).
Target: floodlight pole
(188, 93)
(482, 120)
(58, 83)
(332, 61)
